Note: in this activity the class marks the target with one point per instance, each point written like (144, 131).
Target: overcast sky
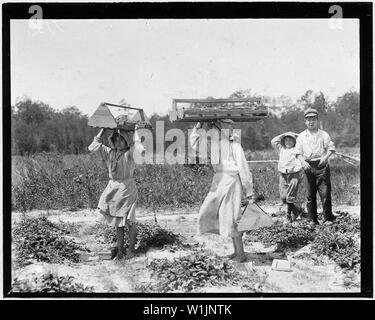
(149, 62)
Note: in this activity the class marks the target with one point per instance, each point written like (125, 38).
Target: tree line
(37, 127)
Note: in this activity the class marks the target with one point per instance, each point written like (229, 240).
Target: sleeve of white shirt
(299, 145)
(99, 148)
(137, 142)
(137, 147)
(276, 142)
(330, 146)
(243, 168)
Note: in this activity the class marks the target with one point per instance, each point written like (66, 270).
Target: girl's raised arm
(276, 142)
(98, 146)
(243, 169)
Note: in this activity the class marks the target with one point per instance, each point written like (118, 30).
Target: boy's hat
(311, 112)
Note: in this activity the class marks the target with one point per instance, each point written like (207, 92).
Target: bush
(39, 239)
(149, 235)
(49, 283)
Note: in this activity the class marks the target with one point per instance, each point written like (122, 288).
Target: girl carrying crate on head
(221, 209)
(118, 201)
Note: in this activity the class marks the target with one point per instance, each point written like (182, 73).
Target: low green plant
(55, 181)
(37, 238)
(49, 283)
(197, 270)
(69, 228)
(339, 241)
(150, 234)
(284, 236)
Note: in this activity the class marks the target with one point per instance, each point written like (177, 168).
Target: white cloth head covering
(122, 134)
(228, 124)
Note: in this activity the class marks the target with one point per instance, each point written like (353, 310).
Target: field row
(53, 181)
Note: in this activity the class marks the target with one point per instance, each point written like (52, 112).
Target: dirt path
(131, 275)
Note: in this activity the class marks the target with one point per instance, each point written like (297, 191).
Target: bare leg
(240, 257)
(132, 239)
(120, 242)
(231, 256)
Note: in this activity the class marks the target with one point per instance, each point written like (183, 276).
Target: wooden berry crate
(104, 118)
(241, 110)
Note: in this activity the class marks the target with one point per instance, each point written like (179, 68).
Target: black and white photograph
(175, 151)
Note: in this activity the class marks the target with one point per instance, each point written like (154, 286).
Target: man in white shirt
(313, 148)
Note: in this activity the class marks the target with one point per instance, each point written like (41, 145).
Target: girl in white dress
(221, 209)
(118, 201)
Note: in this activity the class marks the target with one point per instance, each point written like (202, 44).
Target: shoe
(328, 223)
(114, 251)
(302, 213)
(240, 259)
(294, 217)
(288, 218)
(313, 223)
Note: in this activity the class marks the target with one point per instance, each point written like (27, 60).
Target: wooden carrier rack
(243, 110)
(103, 118)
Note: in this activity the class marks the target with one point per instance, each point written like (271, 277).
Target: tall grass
(53, 181)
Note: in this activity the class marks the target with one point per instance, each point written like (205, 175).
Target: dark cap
(310, 112)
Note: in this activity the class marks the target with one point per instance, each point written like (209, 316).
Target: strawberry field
(60, 244)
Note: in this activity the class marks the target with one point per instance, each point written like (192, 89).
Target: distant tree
(307, 99)
(347, 105)
(320, 103)
(72, 110)
(36, 127)
(32, 112)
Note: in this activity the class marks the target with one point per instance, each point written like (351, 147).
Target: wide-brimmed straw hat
(290, 134)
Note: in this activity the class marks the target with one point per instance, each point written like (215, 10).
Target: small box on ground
(105, 255)
(281, 265)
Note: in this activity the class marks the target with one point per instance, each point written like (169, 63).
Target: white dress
(221, 209)
(118, 201)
